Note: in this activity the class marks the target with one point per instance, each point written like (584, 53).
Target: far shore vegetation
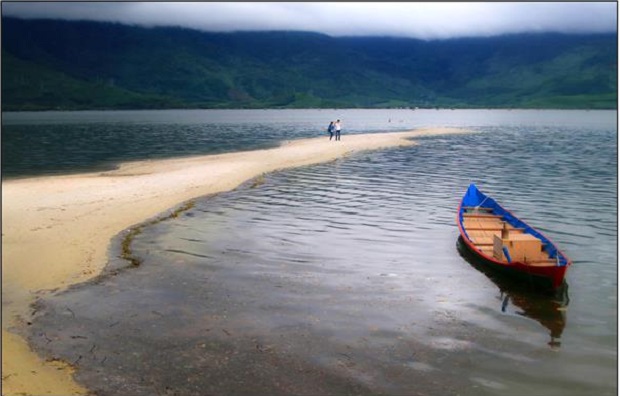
(97, 66)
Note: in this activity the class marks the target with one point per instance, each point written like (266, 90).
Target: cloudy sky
(407, 19)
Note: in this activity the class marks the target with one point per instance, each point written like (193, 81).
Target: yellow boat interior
(496, 238)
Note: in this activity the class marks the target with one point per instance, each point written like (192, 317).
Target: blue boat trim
(507, 254)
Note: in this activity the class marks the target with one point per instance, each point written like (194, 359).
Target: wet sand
(57, 230)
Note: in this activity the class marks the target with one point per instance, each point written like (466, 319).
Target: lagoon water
(43, 143)
(343, 277)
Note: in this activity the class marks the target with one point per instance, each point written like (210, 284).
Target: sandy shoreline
(57, 229)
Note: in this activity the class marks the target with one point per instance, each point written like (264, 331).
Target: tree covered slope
(51, 64)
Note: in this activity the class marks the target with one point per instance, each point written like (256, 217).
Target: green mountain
(52, 64)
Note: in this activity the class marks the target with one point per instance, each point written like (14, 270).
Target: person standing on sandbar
(337, 128)
(330, 130)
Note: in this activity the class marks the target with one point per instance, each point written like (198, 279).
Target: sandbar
(57, 229)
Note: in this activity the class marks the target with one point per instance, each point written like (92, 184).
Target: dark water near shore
(345, 277)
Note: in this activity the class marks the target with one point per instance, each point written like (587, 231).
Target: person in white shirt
(337, 128)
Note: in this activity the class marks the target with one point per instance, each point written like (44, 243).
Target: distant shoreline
(25, 110)
(57, 229)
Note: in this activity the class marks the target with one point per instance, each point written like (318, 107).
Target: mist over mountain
(54, 64)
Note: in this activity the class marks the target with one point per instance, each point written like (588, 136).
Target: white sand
(57, 230)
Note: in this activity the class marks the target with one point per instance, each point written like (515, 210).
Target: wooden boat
(506, 243)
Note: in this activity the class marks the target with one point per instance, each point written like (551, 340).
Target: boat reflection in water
(547, 309)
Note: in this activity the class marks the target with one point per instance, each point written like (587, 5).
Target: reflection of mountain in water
(548, 310)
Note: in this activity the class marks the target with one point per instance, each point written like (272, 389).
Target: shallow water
(346, 278)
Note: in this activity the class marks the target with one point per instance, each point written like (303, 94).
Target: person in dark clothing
(330, 130)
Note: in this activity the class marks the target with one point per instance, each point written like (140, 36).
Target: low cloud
(419, 20)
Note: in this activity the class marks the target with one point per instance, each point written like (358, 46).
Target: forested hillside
(51, 64)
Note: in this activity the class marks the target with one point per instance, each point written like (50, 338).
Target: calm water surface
(346, 278)
(44, 143)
